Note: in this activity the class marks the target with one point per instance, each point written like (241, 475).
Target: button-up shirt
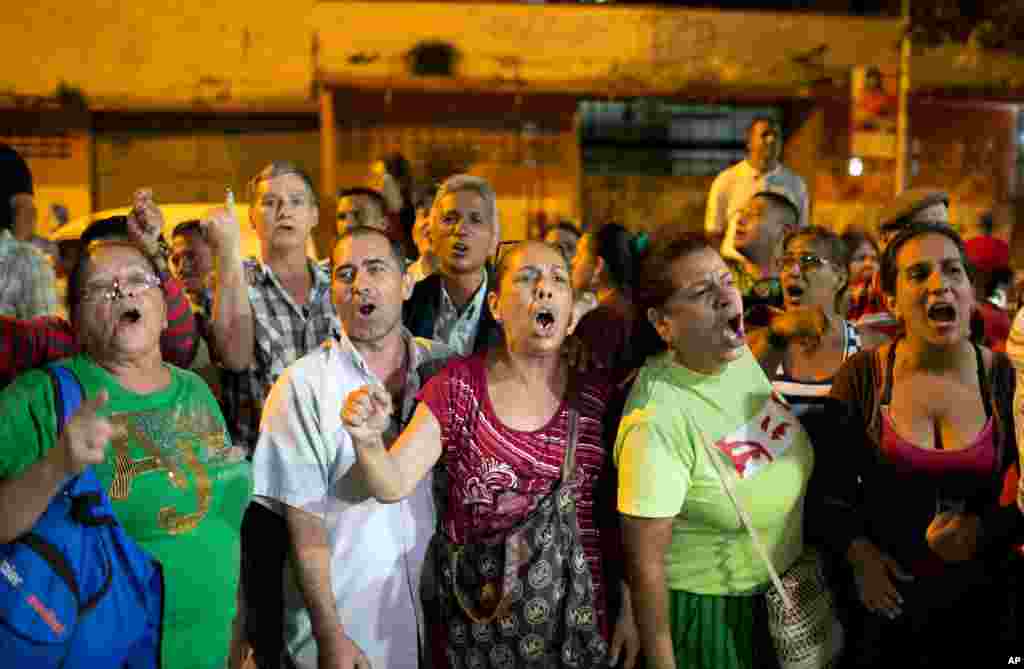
(304, 460)
(732, 190)
(459, 330)
(284, 332)
(28, 287)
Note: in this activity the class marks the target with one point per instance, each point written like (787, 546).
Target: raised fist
(367, 413)
(145, 221)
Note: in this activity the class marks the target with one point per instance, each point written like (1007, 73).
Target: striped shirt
(492, 476)
(284, 332)
(25, 344)
(804, 396)
(28, 287)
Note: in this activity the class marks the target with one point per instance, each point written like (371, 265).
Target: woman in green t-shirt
(696, 578)
(154, 436)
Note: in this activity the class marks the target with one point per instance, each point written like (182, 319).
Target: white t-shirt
(304, 459)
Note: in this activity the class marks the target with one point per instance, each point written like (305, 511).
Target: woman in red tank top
(912, 488)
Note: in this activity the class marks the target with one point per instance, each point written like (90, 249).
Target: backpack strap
(67, 393)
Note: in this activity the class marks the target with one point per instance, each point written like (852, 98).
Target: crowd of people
(440, 448)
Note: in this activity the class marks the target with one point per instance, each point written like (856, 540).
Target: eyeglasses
(130, 286)
(808, 262)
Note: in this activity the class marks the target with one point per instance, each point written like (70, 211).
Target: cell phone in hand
(944, 504)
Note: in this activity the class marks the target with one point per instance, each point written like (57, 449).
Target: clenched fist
(145, 221)
(367, 413)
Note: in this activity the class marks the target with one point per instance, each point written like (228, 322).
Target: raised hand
(807, 324)
(367, 413)
(145, 221)
(222, 231)
(85, 437)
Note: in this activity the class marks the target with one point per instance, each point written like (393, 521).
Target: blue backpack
(76, 591)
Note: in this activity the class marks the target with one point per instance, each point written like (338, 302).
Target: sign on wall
(874, 112)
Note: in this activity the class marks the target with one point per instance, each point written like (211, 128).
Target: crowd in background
(439, 447)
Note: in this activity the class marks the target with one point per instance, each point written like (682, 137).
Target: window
(654, 138)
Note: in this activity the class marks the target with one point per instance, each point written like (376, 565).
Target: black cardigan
(420, 312)
(855, 491)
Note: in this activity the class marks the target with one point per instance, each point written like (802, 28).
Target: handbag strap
(569, 460)
(730, 492)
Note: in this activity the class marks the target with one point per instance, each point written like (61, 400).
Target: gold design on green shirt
(127, 468)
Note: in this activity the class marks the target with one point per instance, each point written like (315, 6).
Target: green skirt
(720, 631)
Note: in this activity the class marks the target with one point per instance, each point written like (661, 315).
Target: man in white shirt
(352, 585)
(733, 188)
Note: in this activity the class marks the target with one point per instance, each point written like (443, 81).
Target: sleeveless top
(804, 396)
(979, 458)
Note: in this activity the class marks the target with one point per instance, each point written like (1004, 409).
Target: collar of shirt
(459, 331)
(750, 170)
(261, 273)
(415, 355)
(474, 305)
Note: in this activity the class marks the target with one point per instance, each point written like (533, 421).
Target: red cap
(988, 254)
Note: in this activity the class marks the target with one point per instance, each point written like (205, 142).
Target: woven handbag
(802, 618)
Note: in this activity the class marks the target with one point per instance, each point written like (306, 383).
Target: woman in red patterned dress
(519, 557)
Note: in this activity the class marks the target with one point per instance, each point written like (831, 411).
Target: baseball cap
(987, 253)
(899, 211)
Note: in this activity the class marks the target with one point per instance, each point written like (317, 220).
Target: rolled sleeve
(654, 473)
(294, 461)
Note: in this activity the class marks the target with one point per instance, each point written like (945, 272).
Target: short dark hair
(836, 251)
(281, 168)
(188, 227)
(890, 267)
(854, 238)
(105, 228)
(775, 125)
(377, 198)
(514, 247)
(358, 231)
(565, 226)
(655, 284)
(776, 198)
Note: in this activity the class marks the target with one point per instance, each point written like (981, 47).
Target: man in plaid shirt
(28, 287)
(268, 312)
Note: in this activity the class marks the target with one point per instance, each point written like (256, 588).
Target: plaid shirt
(28, 287)
(25, 344)
(283, 332)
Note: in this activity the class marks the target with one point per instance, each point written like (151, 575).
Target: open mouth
(367, 309)
(794, 293)
(545, 320)
(734, 328)
(129, 316)
(460, 248)
(942, 312)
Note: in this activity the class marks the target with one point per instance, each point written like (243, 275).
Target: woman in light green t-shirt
(155, 438)
(697, 581)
